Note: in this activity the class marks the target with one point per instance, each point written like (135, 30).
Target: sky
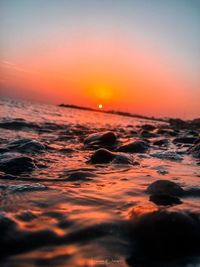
(139, 56)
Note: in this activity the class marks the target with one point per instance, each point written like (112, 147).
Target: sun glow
(100, 106)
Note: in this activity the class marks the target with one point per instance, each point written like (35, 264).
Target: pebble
(148, 127)
(168, 155)
(195, 151)
(163, 236)
(26, 146)
(134, 147)
(164, 200)
(80, 176)
(105, 138)
(165, 187)
(16, 164)
(185, 140)
(161, 142)
(103, 155)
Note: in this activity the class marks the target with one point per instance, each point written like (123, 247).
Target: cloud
(11, 65)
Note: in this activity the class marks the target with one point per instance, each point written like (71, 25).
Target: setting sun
(100, 106)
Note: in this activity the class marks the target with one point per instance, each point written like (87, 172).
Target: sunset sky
(140, 56)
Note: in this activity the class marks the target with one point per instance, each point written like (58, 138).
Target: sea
(57, 208)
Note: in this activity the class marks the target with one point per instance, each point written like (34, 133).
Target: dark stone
(164, 200)
(185, 140)
(16, 164)
(165, 187)
(147, 134)
(164, 236)
(193, 133)
(177, 123)
(161, 142)
(167, 132)
(18, 124)
(26, 146)
(106, 138)
(195, 124)
(80, 176)
(134, 147)
(148, 127)
(168, 155)
(102, 156)
(66, 150)
(195, 151)
(105, 156)
(124, 159)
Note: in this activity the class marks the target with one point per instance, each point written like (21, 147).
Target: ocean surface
(59, 209)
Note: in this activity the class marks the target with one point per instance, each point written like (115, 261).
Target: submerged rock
(16, 164)
(168, 155)
(18, 124)
(165, 187)
(148, 127)
(161, 142)
(195, 151)
(134, 147)
(80, 176)
(185, 140)
(164, 236)
(26, 146)
(27, 187)
(102, 156)
(164, 199)
(147, 134)
(107, 138)
(167, 132)
(124, 159)
(178, 123)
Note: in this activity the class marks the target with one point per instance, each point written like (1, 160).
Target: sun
(100, 106)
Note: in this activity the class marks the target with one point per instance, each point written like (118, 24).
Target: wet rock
(102, 156)
(177, 123)
(27, 187)
(161, 142)
(165, 187)
(18, 124)
(80, 176)
(193, 133)
(104, 138)
(134, 147)
(192, 192)
(195, 151)
(16, 164)
(105, 156)
(195, 124)
(124, 159)
(185, 140)
(133, 133)
(26, 146)
(167, 132)
(164, 200)
(180, 124)
(164, 236)
(66, 150)
(147, 134)
(148, 127)
(168, 155)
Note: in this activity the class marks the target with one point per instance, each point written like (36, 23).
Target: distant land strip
(174, 121)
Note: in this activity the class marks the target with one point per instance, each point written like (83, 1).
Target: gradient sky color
(141, 56)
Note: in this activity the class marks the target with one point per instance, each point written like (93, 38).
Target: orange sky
(91, 67)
